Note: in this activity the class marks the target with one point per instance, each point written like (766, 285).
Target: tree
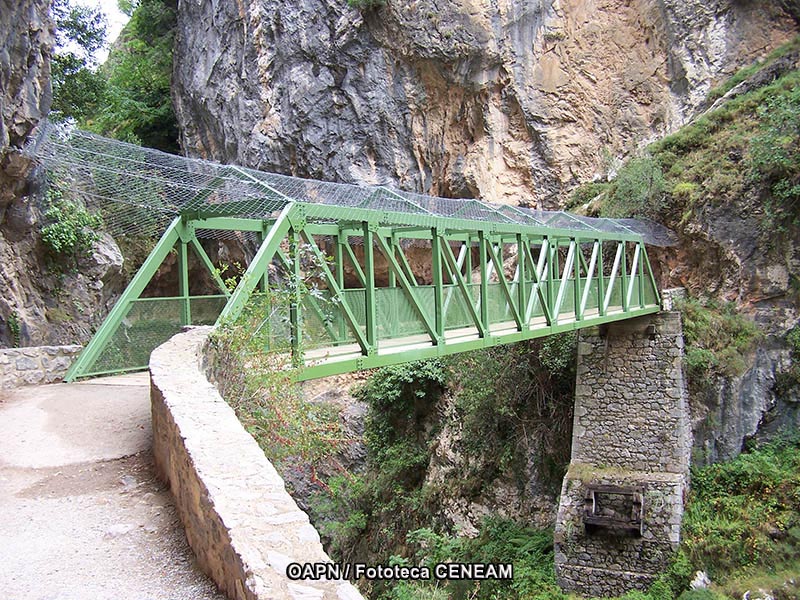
(137, 106)
(78, 87)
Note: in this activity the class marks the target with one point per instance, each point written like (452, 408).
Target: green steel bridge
(332, 264)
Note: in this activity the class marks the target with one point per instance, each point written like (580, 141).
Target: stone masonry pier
(240, 521)
(622, 498)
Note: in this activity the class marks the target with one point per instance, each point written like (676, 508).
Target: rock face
(40, 304)
(510, 101)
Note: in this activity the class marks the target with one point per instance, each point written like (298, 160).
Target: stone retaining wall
(240, 521)
(36, 364)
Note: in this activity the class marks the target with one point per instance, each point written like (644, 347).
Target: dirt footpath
(82, 515)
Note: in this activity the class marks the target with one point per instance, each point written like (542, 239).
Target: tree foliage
(137, 106)
(78, 87)
(128, 97)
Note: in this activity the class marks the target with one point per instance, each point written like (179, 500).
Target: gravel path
(81, 512)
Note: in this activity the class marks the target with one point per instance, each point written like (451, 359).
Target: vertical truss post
(183, 282)
(263, 282)
(296, 277)
(640, 247)
(552, 257)
(469, 267)
(369, 272)
(100, 339)
(522, 283)
(438, 296)
(576, 303)
(601, 281)
(484, 289)
(392, 276)
(624, 277)
(338, 251)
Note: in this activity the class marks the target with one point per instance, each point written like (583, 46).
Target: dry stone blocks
(36, 364)
(631, 432)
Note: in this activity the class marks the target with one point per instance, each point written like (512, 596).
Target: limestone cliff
(38, 305)
(509, 101)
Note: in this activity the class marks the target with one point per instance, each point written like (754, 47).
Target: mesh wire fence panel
(148, 323)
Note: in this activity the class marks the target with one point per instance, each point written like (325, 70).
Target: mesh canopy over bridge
(488, 273)
(140, 190)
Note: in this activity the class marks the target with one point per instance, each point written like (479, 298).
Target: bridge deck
(348, 357)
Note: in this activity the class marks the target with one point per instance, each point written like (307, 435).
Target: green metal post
(109, 326)
(339, 266)
(369, 271)
(624, 277)
(392, 276)
(601, 280)
(641, 274)
(552, 256)
(296, 276)
(469, 259)
(576, 288)
(263, 281)
(484, 290)
(183, 283)
(438, 297)
(522, 284)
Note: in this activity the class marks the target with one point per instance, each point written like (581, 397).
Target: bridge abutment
(622, 498)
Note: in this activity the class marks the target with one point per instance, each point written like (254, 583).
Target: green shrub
(586, 193)
(745, 514)
(718, 339)
(14, 329)
(637, 191)
(70, 232)
(775, 157)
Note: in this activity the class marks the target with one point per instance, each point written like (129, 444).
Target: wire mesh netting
(139, 190)
(148, 323)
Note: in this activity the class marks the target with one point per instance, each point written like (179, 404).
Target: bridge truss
(333, 261)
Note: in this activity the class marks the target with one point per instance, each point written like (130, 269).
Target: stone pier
(622, 498)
